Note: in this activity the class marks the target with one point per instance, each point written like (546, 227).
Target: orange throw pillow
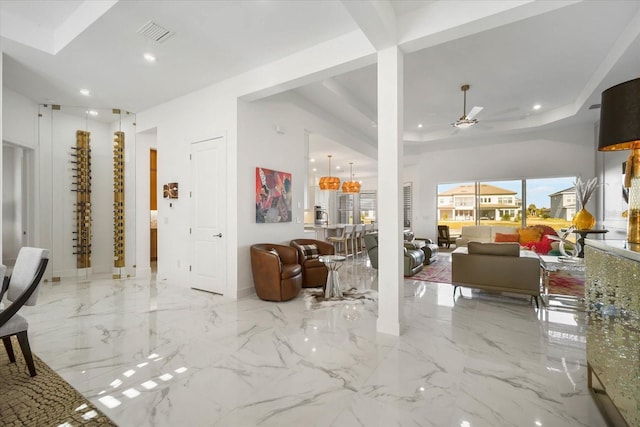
(530, 234)
(502, 237)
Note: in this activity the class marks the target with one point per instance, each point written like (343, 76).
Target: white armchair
(22, 289)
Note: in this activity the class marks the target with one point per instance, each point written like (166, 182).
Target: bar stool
(358, 235)
(350, 231)
(342, 240)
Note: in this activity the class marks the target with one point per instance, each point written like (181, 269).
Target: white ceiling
(560, 55)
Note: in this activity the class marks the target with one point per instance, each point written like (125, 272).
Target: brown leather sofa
(314, 273)
(276, 278)
(496, 267)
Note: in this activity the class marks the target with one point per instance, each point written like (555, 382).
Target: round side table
(332, 287)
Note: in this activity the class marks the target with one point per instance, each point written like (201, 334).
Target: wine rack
(81, 159)
(118, 199)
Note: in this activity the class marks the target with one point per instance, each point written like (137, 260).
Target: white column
(390, 241)
(1, 139)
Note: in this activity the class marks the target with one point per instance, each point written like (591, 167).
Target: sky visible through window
(538, 190)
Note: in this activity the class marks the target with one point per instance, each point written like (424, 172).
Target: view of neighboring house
(458, 204)
(563, 203)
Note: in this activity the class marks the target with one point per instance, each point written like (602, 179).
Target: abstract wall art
(273, 196)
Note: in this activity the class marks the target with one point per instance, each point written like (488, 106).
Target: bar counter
(613, 336)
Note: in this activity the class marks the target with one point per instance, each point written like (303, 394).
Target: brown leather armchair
(314, 273)
(276, 278)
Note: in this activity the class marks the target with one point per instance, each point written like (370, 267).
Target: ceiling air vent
(155, 32)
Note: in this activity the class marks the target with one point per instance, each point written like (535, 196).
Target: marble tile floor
(159, 354)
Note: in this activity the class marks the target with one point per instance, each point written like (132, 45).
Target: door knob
(217, 235)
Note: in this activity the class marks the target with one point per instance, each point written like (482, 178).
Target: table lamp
(620, 130)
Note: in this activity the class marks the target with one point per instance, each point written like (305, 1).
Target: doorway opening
(17, 200)
(153, 208)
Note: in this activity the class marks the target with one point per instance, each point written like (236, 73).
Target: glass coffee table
(332, 287)
(550, 264)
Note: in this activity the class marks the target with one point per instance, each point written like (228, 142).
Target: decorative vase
(583, 220)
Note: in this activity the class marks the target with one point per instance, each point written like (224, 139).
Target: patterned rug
(43, 400)
(560, 283)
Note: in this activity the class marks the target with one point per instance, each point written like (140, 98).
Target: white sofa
(482, 233)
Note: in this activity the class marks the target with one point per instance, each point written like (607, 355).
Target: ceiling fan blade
(474, 112)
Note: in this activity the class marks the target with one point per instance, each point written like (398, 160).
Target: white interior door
(208, 198)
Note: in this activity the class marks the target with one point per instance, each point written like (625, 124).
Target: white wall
(12, 202)
(143, 144)
(260, 145)
(20, 119)
(568, 151)
(53, 203)
(19, 127)
(201, 115)
(610, 193)
(2, 94)
(59, 133)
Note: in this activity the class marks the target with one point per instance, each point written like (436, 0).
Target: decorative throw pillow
(529, 234)
(503, 237)
(546, 230)
(273, 251)
(310, 251)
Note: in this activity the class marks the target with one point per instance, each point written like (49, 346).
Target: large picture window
(548, 201)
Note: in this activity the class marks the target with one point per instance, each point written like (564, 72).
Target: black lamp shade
(620, 117)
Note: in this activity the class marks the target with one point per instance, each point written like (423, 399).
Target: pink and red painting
(273, 196)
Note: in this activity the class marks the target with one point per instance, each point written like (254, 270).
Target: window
(367, 207)
(407, 208)
(549, 201)
(465, 201)
(346, 205)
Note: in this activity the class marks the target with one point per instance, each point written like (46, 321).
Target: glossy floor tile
(159, 354)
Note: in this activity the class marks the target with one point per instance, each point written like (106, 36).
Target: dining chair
(22, 289)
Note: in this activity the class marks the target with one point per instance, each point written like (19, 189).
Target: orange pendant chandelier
(331, 183)
(351, 186)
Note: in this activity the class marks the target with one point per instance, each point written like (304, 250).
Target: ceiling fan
(467, 120)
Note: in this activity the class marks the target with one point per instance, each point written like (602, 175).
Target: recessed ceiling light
(337, 167)
(149, 57)
(312, 160)
(537, 107)
(92, 112)
(85, 92)
(314, 170)
(419, 125)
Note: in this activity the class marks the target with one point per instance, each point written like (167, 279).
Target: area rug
(314, 298)
(560, 282)
(43, 400)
